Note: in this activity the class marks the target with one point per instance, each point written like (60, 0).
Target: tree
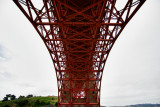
(29, 96)
(21, 97)
(56, 104)
(5, 99)
(8, 95)
(6, 105)
(37, 103)
(22, 102)
(13, 97)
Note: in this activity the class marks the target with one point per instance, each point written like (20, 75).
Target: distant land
(137, 105)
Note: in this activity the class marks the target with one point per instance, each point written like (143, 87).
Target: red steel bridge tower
(79, 35)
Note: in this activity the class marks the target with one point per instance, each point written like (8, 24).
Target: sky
(131, 74)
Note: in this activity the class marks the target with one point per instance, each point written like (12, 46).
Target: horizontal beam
(78, 89)
(79, 103)
(91, 79)
(79, 61)
(78, 70)
(78, 23)
(80, 51)
(79, 39)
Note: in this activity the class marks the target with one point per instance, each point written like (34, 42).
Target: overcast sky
(131, 74)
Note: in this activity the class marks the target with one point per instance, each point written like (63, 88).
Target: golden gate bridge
(79, 35)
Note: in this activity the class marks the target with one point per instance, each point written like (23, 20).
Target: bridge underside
(79, 35)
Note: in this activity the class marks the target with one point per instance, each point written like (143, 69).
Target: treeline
(10, 97)
(28, 101)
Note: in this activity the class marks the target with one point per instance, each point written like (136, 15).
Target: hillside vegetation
(36, 101)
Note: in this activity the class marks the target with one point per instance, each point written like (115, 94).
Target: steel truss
(79, 35)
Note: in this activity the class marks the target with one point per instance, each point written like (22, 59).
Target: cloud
(4, 58)
(4, 53)
(5, 74)
(28, 85)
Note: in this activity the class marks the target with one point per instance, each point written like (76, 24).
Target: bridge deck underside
(79, 35)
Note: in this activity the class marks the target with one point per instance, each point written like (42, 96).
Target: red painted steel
(79, 35)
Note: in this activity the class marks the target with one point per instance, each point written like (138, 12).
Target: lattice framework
(79, 35)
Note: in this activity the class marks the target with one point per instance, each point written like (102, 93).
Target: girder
(79, 35)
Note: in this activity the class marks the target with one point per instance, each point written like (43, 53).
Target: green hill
(37, 101)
